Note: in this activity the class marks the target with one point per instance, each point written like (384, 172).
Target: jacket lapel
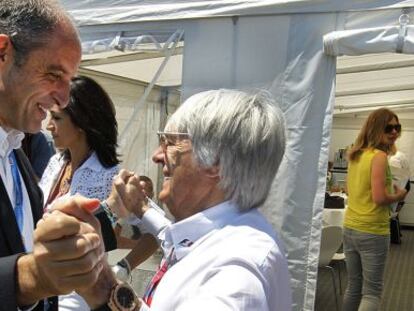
(33, 190)
(8, 224)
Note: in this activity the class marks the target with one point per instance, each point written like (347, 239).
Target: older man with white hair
(219, 152)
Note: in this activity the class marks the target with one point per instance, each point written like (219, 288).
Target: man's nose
(61, 94)
(158, 156)
(49, 125)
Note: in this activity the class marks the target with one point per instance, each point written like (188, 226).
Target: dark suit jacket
(11, 244)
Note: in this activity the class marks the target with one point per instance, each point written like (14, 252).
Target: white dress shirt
(226, 259)
(10, 140)
(153, 221)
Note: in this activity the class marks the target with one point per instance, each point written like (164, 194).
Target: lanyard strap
(17, 190)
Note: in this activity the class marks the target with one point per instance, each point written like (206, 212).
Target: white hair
(243, 133)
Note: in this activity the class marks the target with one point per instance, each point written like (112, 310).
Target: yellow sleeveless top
(362, 214)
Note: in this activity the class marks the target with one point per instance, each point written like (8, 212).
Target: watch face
(125, 297)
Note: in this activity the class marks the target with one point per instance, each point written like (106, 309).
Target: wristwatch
(122, 298)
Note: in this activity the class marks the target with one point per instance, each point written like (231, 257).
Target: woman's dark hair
(91, 109)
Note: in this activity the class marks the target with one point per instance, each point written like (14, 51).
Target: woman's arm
(380, 194)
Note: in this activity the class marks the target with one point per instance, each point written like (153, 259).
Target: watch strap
(125, 264)
(105, 307)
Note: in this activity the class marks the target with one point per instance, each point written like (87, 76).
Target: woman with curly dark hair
(86, 134)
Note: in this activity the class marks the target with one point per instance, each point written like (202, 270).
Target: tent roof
(363, 82)
(143, 69)
(96, 12)
(367, 82)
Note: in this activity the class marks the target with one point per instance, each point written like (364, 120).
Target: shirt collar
(183, 235)
(92, 163)
(9, 140)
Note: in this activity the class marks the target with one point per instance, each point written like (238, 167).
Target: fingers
(68, 248)
(67, 280)
(122, 179)
(125, 178)
(124, 175)
(83, 281)
(77, 266)
(134, 195)
(77, 206)
(67, 252)
(127, 194)
(57, 225)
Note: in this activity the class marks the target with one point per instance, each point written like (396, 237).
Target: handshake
(68, 252)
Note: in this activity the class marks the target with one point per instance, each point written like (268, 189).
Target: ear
(5, 51)
(212, 172)
(5, 47)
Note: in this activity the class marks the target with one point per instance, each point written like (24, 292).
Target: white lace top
(91, 179)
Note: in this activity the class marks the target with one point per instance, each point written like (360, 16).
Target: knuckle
(82, 246)
(86, 264)
(118, 182)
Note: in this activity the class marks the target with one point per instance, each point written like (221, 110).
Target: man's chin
(33, 129)
(162, 197)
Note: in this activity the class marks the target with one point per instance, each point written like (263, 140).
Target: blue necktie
(17, 191)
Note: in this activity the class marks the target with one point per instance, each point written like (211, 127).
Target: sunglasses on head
(390, 127)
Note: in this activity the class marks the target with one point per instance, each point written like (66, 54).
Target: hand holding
(127, 195)
(67, 254)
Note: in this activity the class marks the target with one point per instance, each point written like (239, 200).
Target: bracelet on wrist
(125, 264)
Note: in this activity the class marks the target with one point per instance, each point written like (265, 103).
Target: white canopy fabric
(277, 45)
(90, 12)
(374, 40)
(386, 80)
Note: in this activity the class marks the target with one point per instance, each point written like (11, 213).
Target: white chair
(339, 258)
(333, 217)
(331, 240)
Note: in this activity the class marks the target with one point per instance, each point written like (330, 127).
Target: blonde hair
(372, 133)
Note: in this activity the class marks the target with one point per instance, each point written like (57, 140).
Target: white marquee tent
(288, 47)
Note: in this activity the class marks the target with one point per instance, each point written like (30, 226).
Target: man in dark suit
(39, 54)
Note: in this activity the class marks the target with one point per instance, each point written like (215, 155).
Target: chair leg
(334, 285)
(339, 277)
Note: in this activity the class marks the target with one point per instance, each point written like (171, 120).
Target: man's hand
(99, 293)
(68, 252)
(127, 195)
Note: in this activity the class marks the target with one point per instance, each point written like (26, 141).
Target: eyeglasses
(12, 40)
(165, 138)
(390, 127)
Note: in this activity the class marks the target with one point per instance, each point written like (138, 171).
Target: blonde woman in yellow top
(366, 224)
